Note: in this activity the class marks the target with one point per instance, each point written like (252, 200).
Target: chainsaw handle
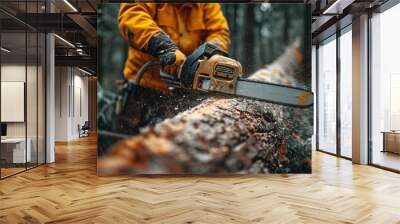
(189, 67)
(144, 68)
(128, 85)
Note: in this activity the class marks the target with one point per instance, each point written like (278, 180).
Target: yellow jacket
(188, 25)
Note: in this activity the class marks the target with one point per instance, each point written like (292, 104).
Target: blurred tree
(248, 45)
(112, 48)
(111, 60)
(261, 32)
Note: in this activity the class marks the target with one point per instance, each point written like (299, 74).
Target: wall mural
(204, 88)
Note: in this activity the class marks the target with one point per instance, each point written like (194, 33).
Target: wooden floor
(387, 159)
(5, 172)
(69, 191)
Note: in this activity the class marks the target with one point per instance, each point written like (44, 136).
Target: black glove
(171, 58)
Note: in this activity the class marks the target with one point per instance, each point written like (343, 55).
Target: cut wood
(213, 135)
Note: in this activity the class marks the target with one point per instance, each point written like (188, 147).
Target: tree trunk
(219, 135)
(234, 28)
(286, 26)
(248, 39)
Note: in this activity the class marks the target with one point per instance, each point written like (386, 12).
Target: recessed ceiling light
(337, 7)
(84, 71)
(70, 5)
(64, 40)
(5, 50)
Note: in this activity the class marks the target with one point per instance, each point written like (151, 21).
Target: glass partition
(15, 152)
(22, 88)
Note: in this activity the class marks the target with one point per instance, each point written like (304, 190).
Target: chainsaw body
(208, 62)
(223, 73)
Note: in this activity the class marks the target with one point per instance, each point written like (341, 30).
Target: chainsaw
(209, 69)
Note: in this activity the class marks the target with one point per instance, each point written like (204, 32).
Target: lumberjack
(168, 32)
(151, 31)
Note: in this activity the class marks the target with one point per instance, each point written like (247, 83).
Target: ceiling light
(5, 50)
(70, 5)
(80, 51)
(329, 9)
(65, 41)
(84, 71)
(337, 7)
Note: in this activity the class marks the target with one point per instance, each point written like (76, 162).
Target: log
(286, 69)
(198, 134)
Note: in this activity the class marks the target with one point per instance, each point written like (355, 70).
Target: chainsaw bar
(269, 92)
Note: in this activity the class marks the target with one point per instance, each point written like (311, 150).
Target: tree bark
(219, 135)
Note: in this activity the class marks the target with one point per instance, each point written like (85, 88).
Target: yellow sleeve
(136, 23)
(216, 26)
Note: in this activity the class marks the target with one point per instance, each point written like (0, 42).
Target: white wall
(81, 104)
(33, 127)
(71, 102)
(62, 81)
(12, 73)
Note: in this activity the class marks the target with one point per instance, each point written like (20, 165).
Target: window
(385, 88)
(346, 93)
(327, 96)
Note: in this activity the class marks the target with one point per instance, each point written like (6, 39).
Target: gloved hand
(172, 62)
(161, 46)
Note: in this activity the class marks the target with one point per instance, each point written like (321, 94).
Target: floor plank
(69, 191)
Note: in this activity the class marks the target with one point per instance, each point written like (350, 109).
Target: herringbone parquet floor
(69, 191)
